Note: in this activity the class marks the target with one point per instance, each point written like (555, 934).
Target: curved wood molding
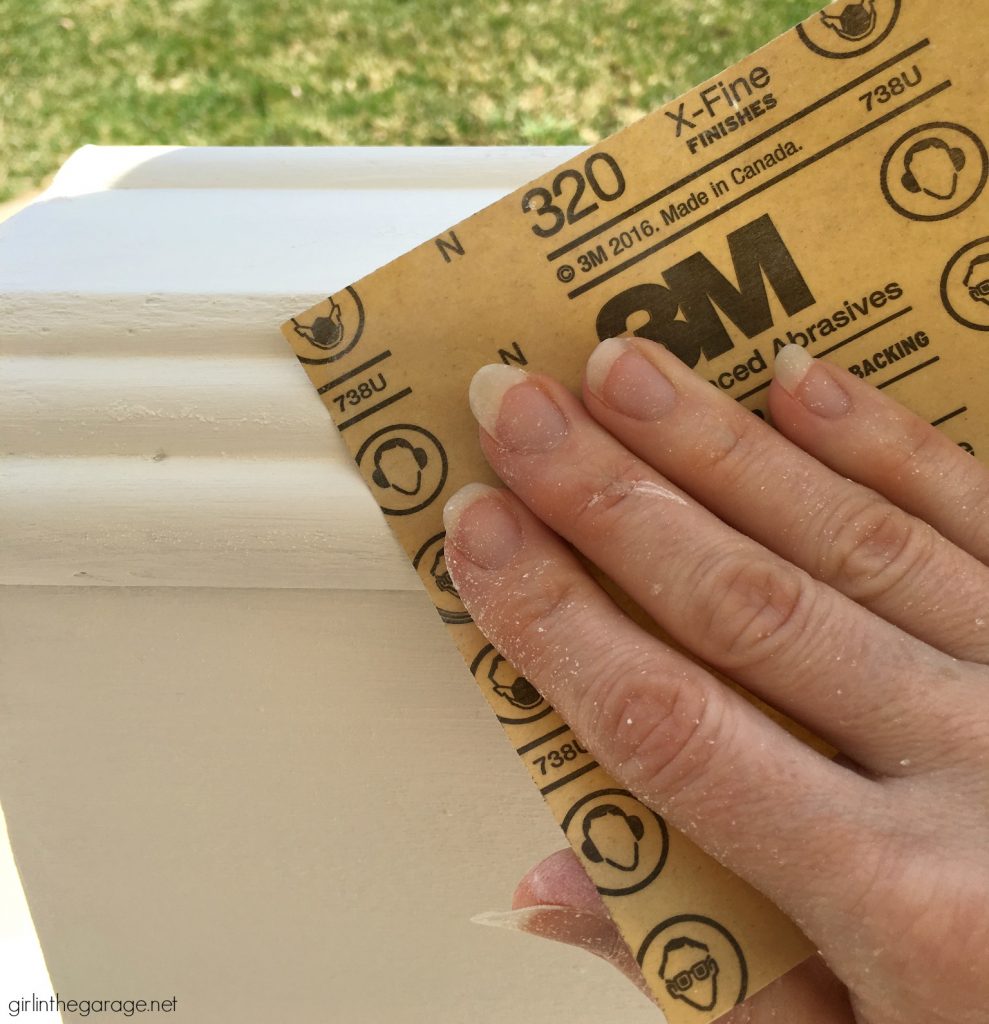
(155, 430)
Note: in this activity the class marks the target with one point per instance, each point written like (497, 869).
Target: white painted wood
(140, 301)
(232, 406)
(233, 242)
(253, 801)
(209, 522)
(240, 760)
(97, 168)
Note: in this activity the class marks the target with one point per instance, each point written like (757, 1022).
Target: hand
(838, 570)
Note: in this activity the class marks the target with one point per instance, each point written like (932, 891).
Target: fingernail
(810, 383)
(523, 418)
(573, 927)
(624, 379)
(593, 932)
(523, 920)
(479, 523)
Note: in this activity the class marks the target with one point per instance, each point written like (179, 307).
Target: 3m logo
(683, 313)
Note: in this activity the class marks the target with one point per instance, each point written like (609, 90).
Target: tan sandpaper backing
(829, 190)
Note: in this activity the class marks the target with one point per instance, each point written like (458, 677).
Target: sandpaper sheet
(827, 191)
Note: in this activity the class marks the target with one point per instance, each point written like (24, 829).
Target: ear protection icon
(303, 330)
(589, 849)
(419, 454)
(956, 155)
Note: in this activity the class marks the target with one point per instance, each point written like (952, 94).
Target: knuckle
(536, 618)
(971, 484)
(619, 689)
(650, 728)
(867, 885)
(873, 549)
(916, 441)
(595, 504)
(963, 731)
(725, 446)
(668, 760)
(748, 607)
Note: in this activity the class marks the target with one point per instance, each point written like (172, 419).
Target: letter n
(449, 245)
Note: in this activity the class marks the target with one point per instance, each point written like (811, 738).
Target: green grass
(355, 72)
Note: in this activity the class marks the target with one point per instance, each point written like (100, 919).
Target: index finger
(785, 818)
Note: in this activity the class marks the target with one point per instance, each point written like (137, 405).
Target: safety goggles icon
(980, 291)
(701, 971)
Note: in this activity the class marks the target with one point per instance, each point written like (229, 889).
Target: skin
(838, 567)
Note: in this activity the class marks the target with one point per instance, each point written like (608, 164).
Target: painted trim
(155, 430)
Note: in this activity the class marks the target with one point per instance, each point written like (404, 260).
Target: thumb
(556, 900)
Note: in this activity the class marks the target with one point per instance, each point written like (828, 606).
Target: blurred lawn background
(351, 72)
